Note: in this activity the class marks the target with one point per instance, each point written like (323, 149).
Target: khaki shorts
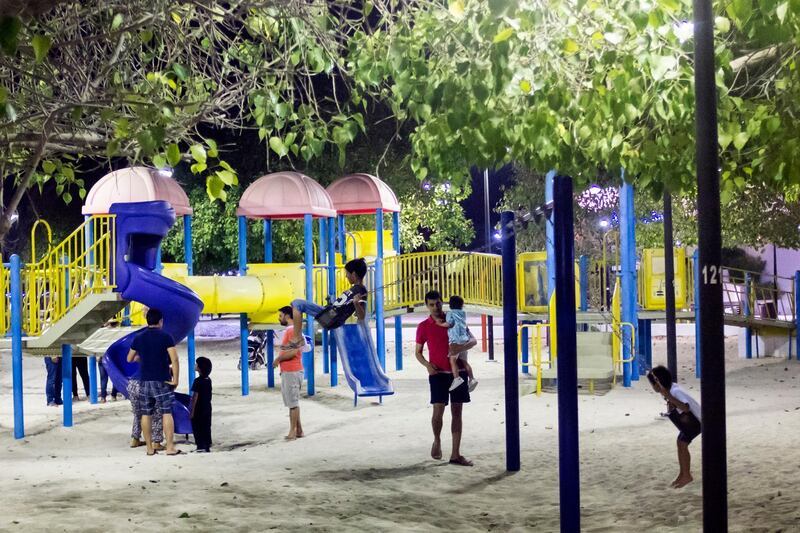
(291, 383)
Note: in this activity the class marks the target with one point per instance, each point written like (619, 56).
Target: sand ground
(368, 468)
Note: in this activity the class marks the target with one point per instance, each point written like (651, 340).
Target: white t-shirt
(682, 396)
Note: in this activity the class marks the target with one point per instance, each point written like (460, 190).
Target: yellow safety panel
(652, 280)
(365, 244)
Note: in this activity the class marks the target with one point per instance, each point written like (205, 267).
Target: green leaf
(215, 188)
(226, 166)
(159, 161)
(571, 47)
(180, 71)
(725, 140)
(503, 35)
(82, 193)
(278, 147)
(227, 177)
(67, 197)
(525, 86)
(781, 11)
(740, 139)
(48, 167)
(173, 155)
(212, 148)
(773, 123)
(198, 153)
(9, 33)
(198, 168)
(117, 21)
(41, 46)
(456, 8)
(11, 113)
(722, 24)
(68, 172)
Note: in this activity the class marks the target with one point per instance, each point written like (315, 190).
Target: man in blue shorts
(440, 378)
(154, 349)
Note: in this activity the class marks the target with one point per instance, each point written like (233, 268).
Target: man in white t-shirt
(684, 412)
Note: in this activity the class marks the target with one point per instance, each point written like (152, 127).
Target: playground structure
(62, 299)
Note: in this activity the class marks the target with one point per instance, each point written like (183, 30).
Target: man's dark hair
(432, 295)
(456, 302)
(204, 366)
(357, 267)
(663, 375)
(153, 317)
(286, 310)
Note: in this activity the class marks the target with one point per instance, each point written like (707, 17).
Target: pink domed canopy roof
(135, 184)
(361, 194)
(285, 195)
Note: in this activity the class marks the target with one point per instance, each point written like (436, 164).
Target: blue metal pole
(308, 232)
(398, 320)
(159, 267)
(697, 329)
(380, 324)
(189, 258)
(511, 375)
(66, 358)
(16, 346)
(626, 219)
(88, 241)
(323, 256)
(550, 236)
(342, 241)
(633, 298)
(524, 347)
(748, 331)
(567, 372)
(244, 329)
(332, 294)
(797, 314)
(583, 264)
(270, 333)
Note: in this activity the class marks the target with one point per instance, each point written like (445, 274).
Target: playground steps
(79, 323)
(595, 361)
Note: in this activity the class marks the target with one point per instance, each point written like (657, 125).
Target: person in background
(290, 361)
(53, 387)
(200, 406)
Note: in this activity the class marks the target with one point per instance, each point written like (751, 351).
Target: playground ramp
(360, 361)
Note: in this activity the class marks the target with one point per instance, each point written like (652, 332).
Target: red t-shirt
(296, 363)
(438, 345)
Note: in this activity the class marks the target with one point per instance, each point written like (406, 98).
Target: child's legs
(684, 458)
(298, 308)
(467, 367)
(454, 364)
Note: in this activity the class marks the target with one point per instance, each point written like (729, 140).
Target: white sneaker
(473, 384)
(456, 383)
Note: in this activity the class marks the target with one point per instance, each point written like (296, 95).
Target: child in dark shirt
(200, 407)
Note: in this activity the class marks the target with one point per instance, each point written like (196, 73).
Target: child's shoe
(135, 443)
(473, 384)
(456, 383)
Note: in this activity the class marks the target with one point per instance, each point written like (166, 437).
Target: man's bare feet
(300, 434)
(681, 481)
(290, 436)
(460, 460)
(436, 450)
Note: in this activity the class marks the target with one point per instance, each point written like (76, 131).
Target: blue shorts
(156, 395)
(309, 308)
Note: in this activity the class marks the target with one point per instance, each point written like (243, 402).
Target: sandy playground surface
(368, 468)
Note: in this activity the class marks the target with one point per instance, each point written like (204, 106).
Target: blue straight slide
(360, 361)
(140, 227)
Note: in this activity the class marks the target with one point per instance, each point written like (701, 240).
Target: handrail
(618, 361)
(33, 238)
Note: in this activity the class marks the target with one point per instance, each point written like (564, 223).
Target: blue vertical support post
(244, 329)
(583, 269)
(66, 359)
(16, 346)
(342, 241)
(697, 329)
(524, 348)
(270, 333)
(549, 235)
(797, 314)
(323, 255)
(509, 258)
(87, 244)
(380, 324)
(567, 372)
(748, 313)
(629, 301)
(159, 266)
(398, 320)
(334, 369)
(189, 258)
(308, 233)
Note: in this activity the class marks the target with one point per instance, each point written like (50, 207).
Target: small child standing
(460, 342)
(200, 407)
(684, 412)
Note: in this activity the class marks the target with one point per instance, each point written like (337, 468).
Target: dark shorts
(688, 425)
(440, 383)
(156, 396)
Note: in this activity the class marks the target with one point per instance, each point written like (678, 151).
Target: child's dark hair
(153, 317)
(663, 375)
(204, 366)
(456, 302)
(357, 267)
(286, 310)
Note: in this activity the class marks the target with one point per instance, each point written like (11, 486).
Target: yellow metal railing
(68, 273)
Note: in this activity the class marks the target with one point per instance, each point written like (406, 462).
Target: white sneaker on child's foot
(473, 384)
(456, 383)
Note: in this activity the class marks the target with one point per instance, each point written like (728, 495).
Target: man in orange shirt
(291, 362)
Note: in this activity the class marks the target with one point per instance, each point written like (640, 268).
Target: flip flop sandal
(179, 452)
(151, 454)
(461, 461)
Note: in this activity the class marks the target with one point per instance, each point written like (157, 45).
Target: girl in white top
(684, 412)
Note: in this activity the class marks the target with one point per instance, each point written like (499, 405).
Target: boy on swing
(351, 301)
